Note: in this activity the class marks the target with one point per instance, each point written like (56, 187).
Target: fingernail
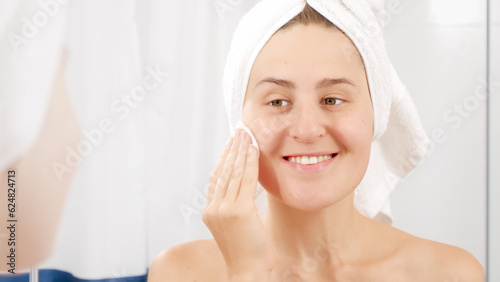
(242, 136)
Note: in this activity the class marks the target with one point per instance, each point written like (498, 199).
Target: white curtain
(144, 78)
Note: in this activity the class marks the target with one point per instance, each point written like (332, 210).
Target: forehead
(308, 48)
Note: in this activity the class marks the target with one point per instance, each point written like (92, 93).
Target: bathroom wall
(494, 144)
(439, 51)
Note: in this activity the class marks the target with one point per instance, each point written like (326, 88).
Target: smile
(309, 160)
(310, 163)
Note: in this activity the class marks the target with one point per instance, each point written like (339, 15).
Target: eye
(332, 101)
(279, 103)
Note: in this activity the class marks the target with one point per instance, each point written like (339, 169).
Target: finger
(250, 177)
(217, 170)
(227, 170)
(239, 167)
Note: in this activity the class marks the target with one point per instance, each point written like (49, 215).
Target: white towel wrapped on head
(399, 141)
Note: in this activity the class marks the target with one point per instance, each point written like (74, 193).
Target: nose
(307, 126)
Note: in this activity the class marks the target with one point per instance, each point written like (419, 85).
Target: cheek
(354, 131)
(267, 129)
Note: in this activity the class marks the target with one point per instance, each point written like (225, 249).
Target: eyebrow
(280, 82)
(326, 82)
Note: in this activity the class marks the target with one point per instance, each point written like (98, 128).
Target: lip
(310, 168)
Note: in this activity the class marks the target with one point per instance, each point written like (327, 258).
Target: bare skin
(407, 258)
(305, 97)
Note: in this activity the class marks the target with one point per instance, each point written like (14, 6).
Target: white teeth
(313, 160)
(305, 160)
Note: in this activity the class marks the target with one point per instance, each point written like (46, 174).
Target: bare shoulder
(198, 260)
(405, 257)
(434, 261)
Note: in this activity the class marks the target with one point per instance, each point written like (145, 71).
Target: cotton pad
(241, 125)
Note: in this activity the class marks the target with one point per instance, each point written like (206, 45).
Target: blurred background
(127, 95)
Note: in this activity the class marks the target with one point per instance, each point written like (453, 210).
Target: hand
(231, 215)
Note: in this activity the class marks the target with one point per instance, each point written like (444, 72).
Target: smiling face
(309, 107)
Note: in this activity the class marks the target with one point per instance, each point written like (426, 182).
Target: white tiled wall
(439, 51)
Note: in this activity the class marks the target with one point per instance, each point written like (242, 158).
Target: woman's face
(309, 107)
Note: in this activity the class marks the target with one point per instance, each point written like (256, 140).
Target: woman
(311, 106)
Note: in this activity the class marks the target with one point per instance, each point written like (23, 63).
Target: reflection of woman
(40, 212)
(310, 163)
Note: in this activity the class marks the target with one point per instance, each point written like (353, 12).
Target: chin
(306, 206)
(308, 197)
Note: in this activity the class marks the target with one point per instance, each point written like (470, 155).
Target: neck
(337, 231)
